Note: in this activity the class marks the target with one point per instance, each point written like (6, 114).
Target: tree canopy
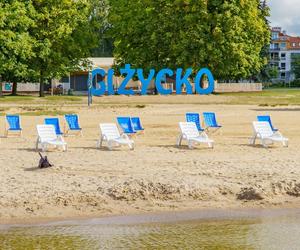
(296, 65)
(65, 31)
(16, 43)
(225, 36)
(44, 39)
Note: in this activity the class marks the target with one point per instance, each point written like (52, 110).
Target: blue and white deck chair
(55, 123)
(194, 117)
(266, 118)
(14, 125)
(137, 125)
(126, 125)
(72, 124)
(211, 121)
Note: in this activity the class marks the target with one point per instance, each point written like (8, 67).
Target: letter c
(161, 90)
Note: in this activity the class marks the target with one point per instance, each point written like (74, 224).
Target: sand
(157, 175)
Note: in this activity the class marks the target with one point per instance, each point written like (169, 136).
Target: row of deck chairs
(72, 121)
(210, 121)
(192, 131)
(129, 125)
(48, 134)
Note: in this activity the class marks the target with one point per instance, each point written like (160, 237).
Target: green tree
(296, 65)
(105, 44)
(268, 73)
(156, 34)
(16, 44)
(225, 36)
(66, 31)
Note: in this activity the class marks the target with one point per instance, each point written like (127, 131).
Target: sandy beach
(157, 175)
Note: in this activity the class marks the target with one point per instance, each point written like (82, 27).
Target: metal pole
(89, 89)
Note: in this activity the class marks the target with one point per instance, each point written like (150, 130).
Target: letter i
(110, 84)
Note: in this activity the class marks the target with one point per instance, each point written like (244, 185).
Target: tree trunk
(42, 82)
(1, 93)
(14, 89)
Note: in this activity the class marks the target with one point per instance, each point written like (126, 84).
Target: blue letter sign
(181, 79)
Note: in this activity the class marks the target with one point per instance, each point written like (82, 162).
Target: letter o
(211, 82)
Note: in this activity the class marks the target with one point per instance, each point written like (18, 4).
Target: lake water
(253, 229)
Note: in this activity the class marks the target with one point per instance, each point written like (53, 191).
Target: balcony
(274, 49)
(274, 59)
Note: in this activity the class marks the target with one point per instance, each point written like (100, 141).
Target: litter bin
(70, 92)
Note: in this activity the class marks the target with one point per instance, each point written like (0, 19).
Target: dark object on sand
(44, 163)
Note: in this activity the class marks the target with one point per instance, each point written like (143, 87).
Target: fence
(238, 87)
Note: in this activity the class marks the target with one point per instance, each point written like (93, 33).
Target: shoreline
(178, 216)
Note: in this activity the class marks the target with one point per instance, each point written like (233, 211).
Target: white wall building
(282, 49)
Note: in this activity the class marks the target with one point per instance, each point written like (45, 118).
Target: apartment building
(282, 49)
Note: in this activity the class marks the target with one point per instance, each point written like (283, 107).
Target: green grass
(36, 111)
(48, 99)
(64, 98)
(46, 113)
(269, 97)
(267, 92)
(9, 98)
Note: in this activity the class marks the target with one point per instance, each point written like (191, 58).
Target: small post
(90, 83)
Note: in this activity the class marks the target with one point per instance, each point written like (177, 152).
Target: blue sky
(286, 14)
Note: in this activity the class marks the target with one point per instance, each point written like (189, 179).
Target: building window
(294, 44)
(274, 56)
(274, 35)
(282, 75)
(282, 66)
(282, 55)
(276, 45)
(283, 45)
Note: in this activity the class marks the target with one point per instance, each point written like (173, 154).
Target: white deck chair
(47, 136)
(190, 133)
(110, 133)
(263, 131)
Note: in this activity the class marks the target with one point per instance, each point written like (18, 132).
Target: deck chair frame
(267, 118)
(67, 130)
(54, 140)
(209, 128)
(136, 120)
(116, 139)
(194, 117)
(46, 122)
(128, 118)
(8, 131)
(192, 135)
(269, 136)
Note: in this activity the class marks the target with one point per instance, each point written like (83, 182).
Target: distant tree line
(296, 66)
(228, 37)
(45, 39)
